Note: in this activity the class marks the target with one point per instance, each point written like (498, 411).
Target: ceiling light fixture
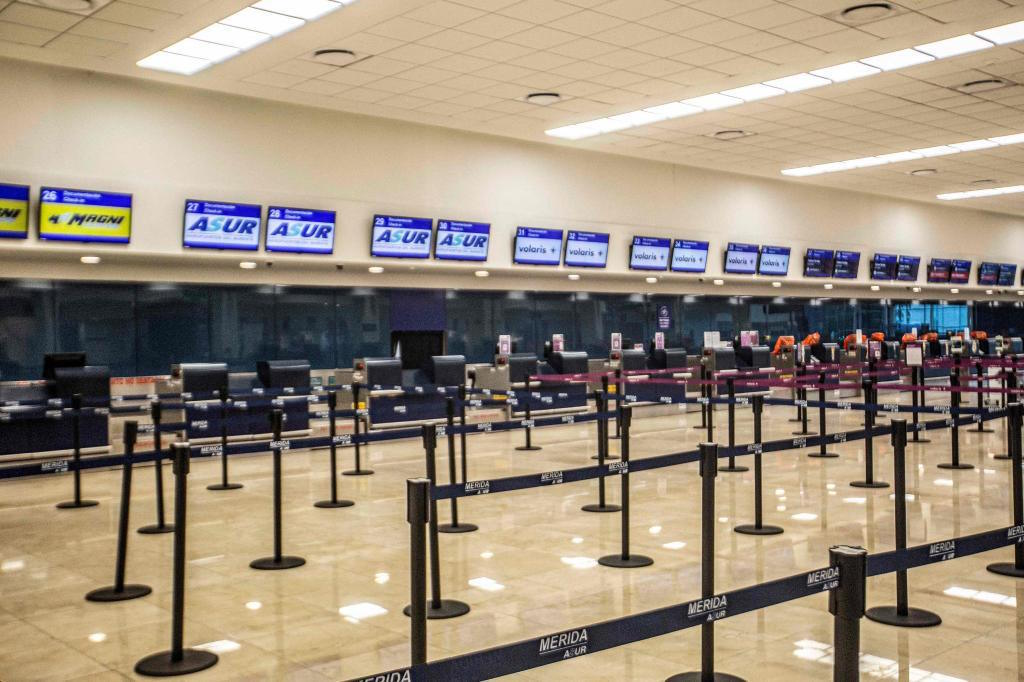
(574, 277)
(954, 291)
(651, 280)
(923, 171)
(989, 292)
(728, 135)
(236, 33)
(335, 56)
(909, 155)
(247, 265)
(543, 98)
(829, 286)
(375, 269)
(977, 193)
(888, 61)
(868, 11)
(916, 290)
(90, 260)
(982, 85)
(482, 273)
(875, 287)
(776, 284)
(70, 5)
(718, 282)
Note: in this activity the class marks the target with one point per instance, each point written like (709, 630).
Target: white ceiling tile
(365, 95)
(668, 46)
(811, 27)
(405, 102)
(659, 67)
(301, 67)
(444, 13)
(453, 40)
(443, 109)
(504, 72)
(468, 83)
(39, 17)
(470, 99)
(396, 85)
(540, 81)
(581, 70)
(499, 51)
(634, 10)
(900, 25)
(754, 42)
(273, 79)
(435, 92)
(583, 48)
(622, 58)
(25, 35)
(404, 29)
(178, 6)
(134, 15)
(108, 30)
(538, 11)
(773, 15)
(960, 10)
(487, 5)
(320, 87)
(384, 66)
(709, 54)
(542, 61)
(462, 63)
(415, 53)
(349, 77)
(846, 39)
(365, 43)
(717, 31)
(495, 26)
(586, 23)
(629, 35)
(540, 38)
(794, 52)
(428, 74)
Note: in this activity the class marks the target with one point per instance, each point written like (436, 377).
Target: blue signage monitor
(961, 272)
(988, 274)
(1007, 274)
(847, 265)
(689, 256)
(535, 246)
(13, 211)
(460, 240)
(938, 270)
(220, 225)
(819, 263)
(300, 230)
(649, 253)
(401, 237)
(907, 268)
(883, 266)
(78, 215)
(586, 249)
(774, 261)
(741, 259)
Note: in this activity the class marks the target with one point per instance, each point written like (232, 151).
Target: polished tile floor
(528, 571)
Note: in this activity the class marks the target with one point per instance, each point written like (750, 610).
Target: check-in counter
(554, 395)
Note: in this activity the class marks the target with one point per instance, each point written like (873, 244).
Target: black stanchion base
(607, 458)
(599, 508)
(794, 420)
(105, 594)
(915, 618)
(461, 528)
(805, 433)
(980, 430)
(450, 608)
(911, 441)
(358, 472)
(869, 484)
(1006, 568)
(81, 504)
(272, 564)
(163, 665)
(528, 448)
(333, 504)
(699, 677)
(950, 465)
(1001, 456)
(224, 486)
(157, 529)
(734, 469)
(752, 529)
(823, 455)
(618, 561)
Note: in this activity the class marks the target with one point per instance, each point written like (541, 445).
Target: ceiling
(468, 64)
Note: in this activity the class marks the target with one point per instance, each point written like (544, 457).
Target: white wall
(163, 144)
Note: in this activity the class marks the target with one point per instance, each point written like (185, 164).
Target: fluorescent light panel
(976, 193)
(909, 155)
(234, 34)
(898, 59)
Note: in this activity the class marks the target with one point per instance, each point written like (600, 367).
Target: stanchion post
(334, 502)
(528, 445)
(732, 467)
(901, 615)
(758, 527)
(437, 608)
(708, 473)
(1011, 387)
(179, 660)
(981, 397)
(703, 394)
(846, 603)
(619, 403)
(76, 457)
(802, 397)
(1016, 567)
(454, 526)
(869, 438)
(918, 400)
(954, 433)
(224, 484)
(356, 421)
(417, 513)
(156, 413)
(711, 409)
(625, 559)
(822, 449)
(798, 371)
(602, 451)
(119, 591)
(279, 561)
(462, 433)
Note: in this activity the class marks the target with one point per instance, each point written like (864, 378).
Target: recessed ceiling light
(90, 260)
(989, 291)
(303, 9)
(271, 23)
(70, 5)
(200, 49)
(974, 145)
(651, 280)
(845, 72)
(916, 290)
(954, 291)
(718, 282)
(673, 110)
(776, 284)
(982, 85)
(574, 277)
(727, 135)
(898, 60)
(1020, 292)
(983, 181)
(975, 193)
(375, 269)
(865, 12)
(829, 285)
(543, 98)
(482, 273)
(751, 93)
(335, 56)
(1001, 35)
(247, 265)
(951, 47)
(924, 171)
(875, 287)
(174, 63)
(713, 101)
(232, 36)
(798, 82)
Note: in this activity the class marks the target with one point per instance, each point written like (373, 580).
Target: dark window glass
(362, 320)
(305, 326)
(98, 319)
(471, 325)
(26, 328)
(242, 326)
(172, 324)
